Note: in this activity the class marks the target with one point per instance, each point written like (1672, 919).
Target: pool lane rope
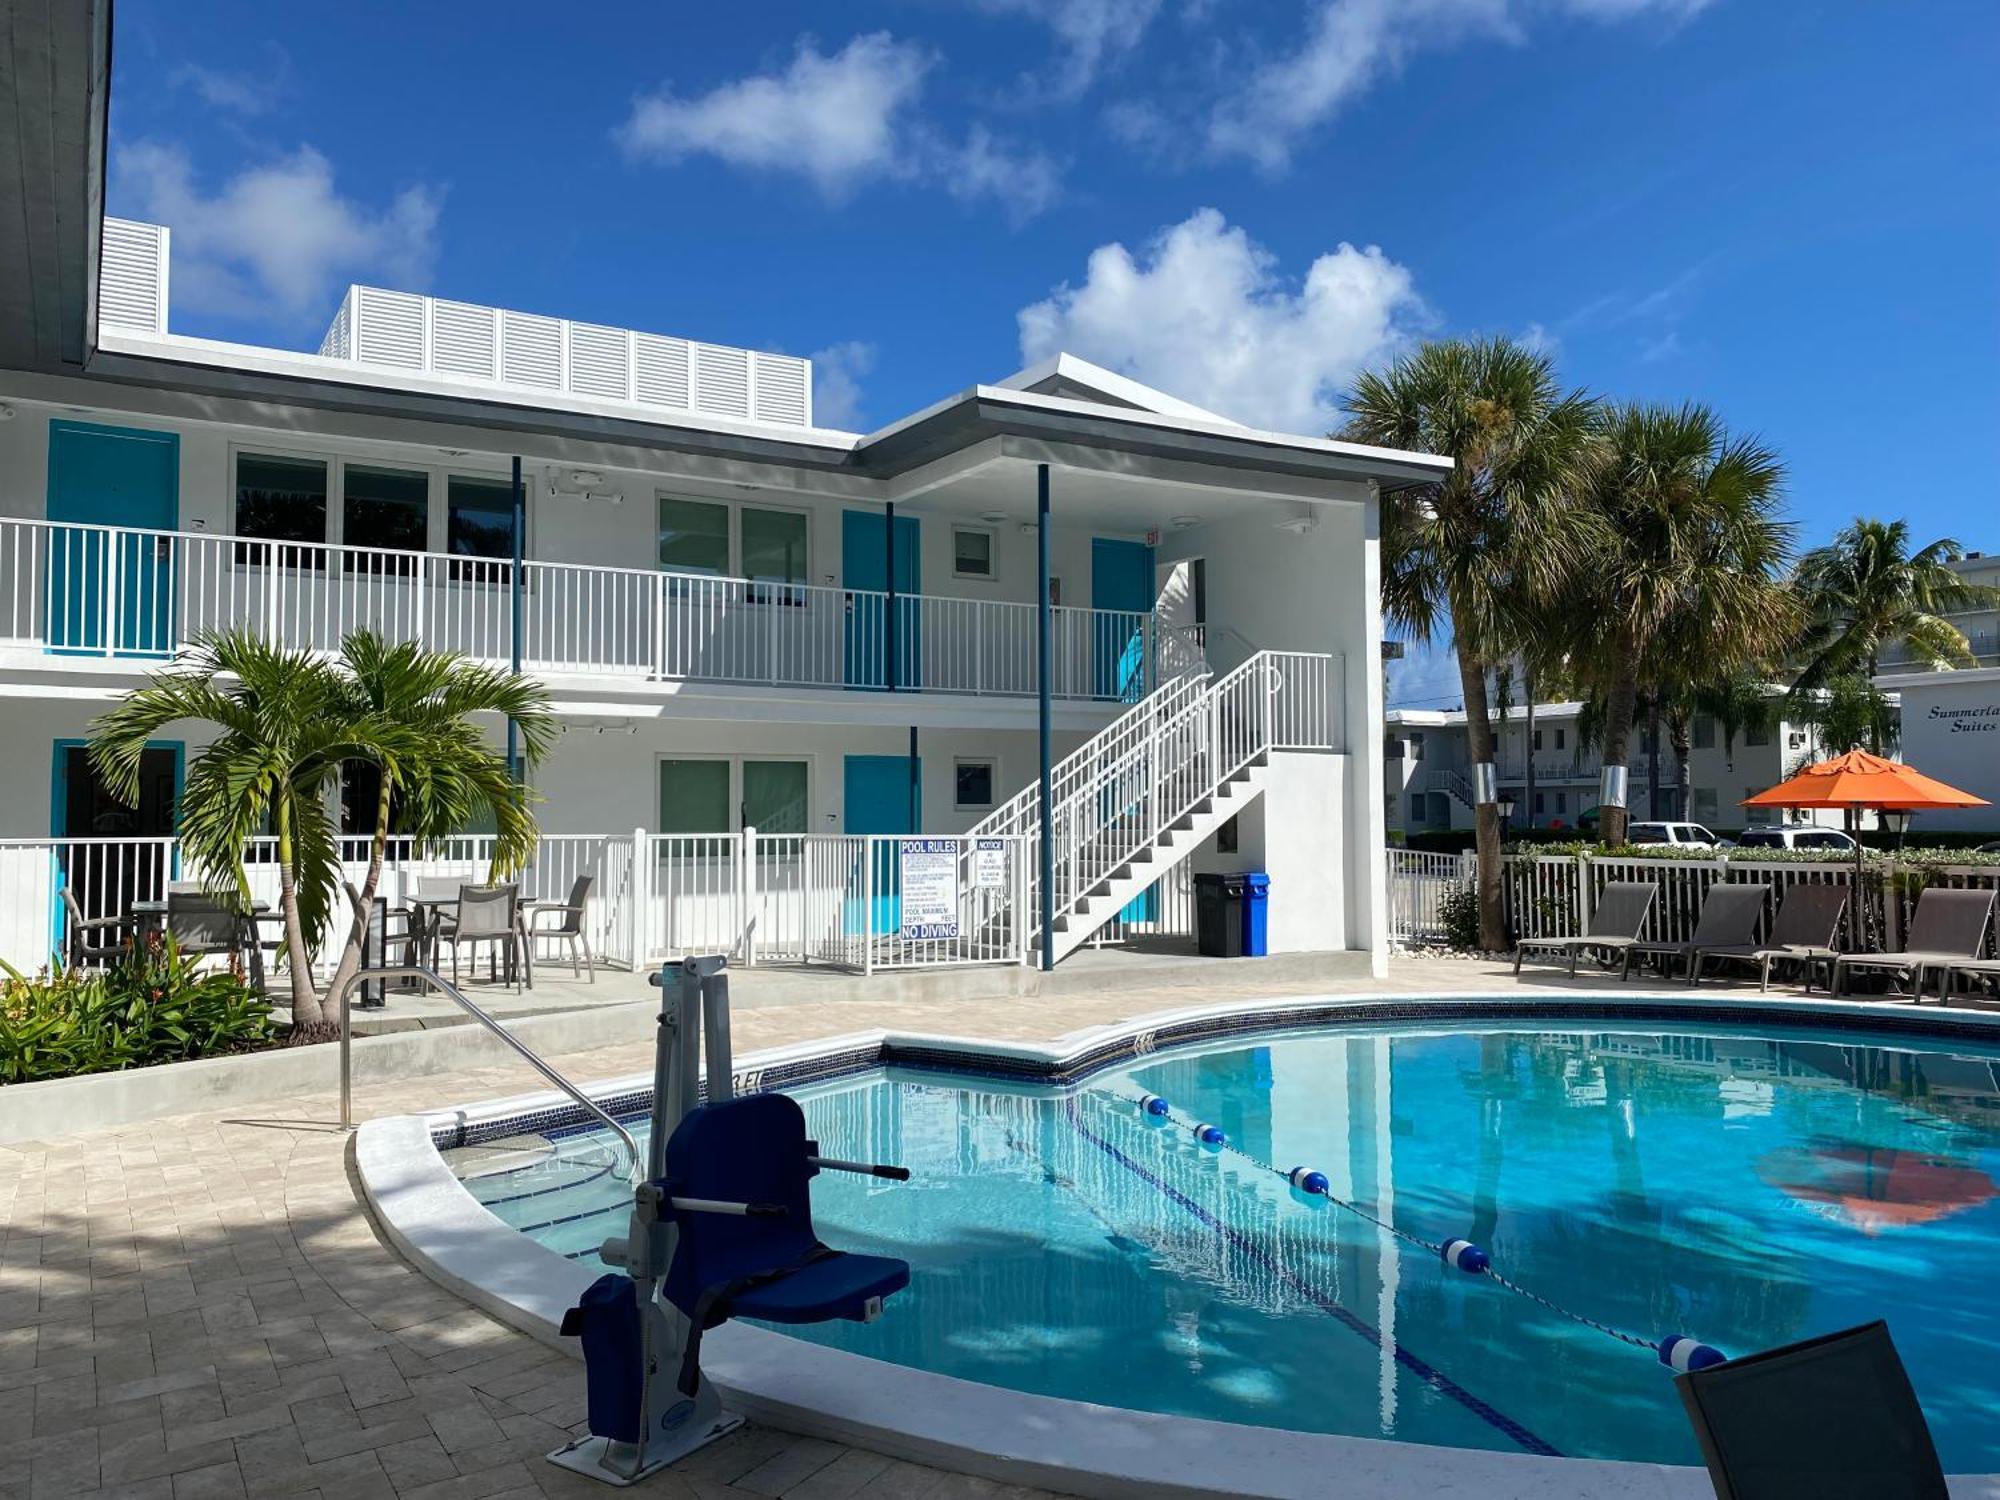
(1677, 1351)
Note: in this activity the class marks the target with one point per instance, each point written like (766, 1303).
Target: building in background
(1428, 770)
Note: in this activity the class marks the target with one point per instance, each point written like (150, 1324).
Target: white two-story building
(746, 621)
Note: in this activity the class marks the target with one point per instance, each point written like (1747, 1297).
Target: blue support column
(519, 583)
(1045, 656)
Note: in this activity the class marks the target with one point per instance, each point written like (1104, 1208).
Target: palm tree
(286, 722)
(437, 774)
(1689, 567)
(1866, 590)
(1476, 552)
(1742, 701)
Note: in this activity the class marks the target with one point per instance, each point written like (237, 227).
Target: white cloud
(1205, 314)
(837, 373)
(278, 240)
(841, 120)
(239, 93)
(1023, 181)
(1092, 33)
(837, 119)
(1351, 44)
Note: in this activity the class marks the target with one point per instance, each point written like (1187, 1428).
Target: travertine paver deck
(199, 1307)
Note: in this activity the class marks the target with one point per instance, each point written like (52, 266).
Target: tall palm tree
(437, 773)
(286, 722)
(1866, 590)
(1475, 552)
(1689, 567)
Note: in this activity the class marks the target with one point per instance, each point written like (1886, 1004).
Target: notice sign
(929, 881)
(989, 864)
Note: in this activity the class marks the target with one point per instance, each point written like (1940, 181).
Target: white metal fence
(79, 590)
(1554, 895)
(761, 898)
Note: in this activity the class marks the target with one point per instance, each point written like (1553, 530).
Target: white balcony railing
(98, 591)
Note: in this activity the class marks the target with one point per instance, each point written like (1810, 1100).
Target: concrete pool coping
(1020, 1437)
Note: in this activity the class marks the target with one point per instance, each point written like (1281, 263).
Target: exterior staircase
(1134, 801)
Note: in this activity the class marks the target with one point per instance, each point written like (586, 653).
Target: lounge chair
(1614, 925)
(1729, 918)
(1947, 927)
(1803, 932)
(1833, 1417)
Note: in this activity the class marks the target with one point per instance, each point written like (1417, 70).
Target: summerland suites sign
(1951, 730)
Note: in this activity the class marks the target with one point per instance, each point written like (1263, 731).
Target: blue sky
(1783, 208)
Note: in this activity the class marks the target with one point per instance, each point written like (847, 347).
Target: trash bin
(1256, 908)
(1218, 915)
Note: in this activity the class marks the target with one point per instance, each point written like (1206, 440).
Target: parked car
(1992, 848)
(1691, 834)
(1795, 836)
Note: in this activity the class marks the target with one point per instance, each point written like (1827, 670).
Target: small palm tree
(438, 775)
(1866, 590)
(286, 722)
(1477, 552)
(1689, 565)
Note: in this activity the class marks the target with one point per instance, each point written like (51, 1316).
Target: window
(282, 500)
(721, 795)
(971, 552)
(1821, 841)
(774, 545)
(385, 508)
(1559, 739)
(1541, 800)
(694, 796)
(1704, 732)
(1416, 807)
(1416, 747)
(1757, 734)
(1562, 802)
(1198, 572)
(1226, 838)
(479, 522)
(1704, 802)
(974, 785)
(774, 796)
(694, 536)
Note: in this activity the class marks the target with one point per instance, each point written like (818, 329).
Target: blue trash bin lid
(1259, 882)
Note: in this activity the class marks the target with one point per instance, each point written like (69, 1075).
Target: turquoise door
(1121, 578)
(110, 594)
(878, 797)
(864, 566)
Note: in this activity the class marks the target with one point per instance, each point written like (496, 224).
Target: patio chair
(1729, 918)
(1832, 1417)
(489, 915)
(568, 925)
(202, 927)
(1947, 927)
(91, 940)
(1621, 911)
(1803, 932)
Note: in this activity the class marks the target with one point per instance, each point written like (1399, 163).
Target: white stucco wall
(1951, 730)
(1298, 834)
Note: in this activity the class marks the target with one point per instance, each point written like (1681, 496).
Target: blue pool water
(1748, 1190)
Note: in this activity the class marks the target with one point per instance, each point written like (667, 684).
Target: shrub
(1458, 910)
(152, 1005)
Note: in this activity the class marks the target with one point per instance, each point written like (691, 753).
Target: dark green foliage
(151, 1006)
(1459, 910)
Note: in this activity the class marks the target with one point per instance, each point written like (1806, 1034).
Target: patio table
(149, 916)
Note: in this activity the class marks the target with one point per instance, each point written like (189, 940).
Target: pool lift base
(650, 1404)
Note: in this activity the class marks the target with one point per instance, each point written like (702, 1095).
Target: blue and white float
(1465, 1256)
(1154, 1107)
(1306, 1180)
(1680, 1354)
(1210, 1135)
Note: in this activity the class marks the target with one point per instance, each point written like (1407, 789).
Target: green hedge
(1925, 857)
(152, 1005)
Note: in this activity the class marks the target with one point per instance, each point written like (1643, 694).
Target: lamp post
(1895, 820)
(1505, 807)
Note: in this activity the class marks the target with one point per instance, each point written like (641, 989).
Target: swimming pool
(1744, 1188)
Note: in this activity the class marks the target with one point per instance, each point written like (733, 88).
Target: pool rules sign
(929, 880)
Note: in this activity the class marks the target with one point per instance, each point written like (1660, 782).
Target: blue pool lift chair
(721, 1228)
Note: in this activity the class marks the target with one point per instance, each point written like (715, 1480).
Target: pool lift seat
(721, 1227)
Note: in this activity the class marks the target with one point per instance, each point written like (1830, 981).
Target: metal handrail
(451, 991)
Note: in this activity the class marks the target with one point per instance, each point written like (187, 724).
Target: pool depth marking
(1421, 1368)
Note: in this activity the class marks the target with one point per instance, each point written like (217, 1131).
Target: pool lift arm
(649, 1403)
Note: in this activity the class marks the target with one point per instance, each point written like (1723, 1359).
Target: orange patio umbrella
(1862, 781)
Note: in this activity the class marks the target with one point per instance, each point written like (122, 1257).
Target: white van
(1691, 834)
(1795, 836)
